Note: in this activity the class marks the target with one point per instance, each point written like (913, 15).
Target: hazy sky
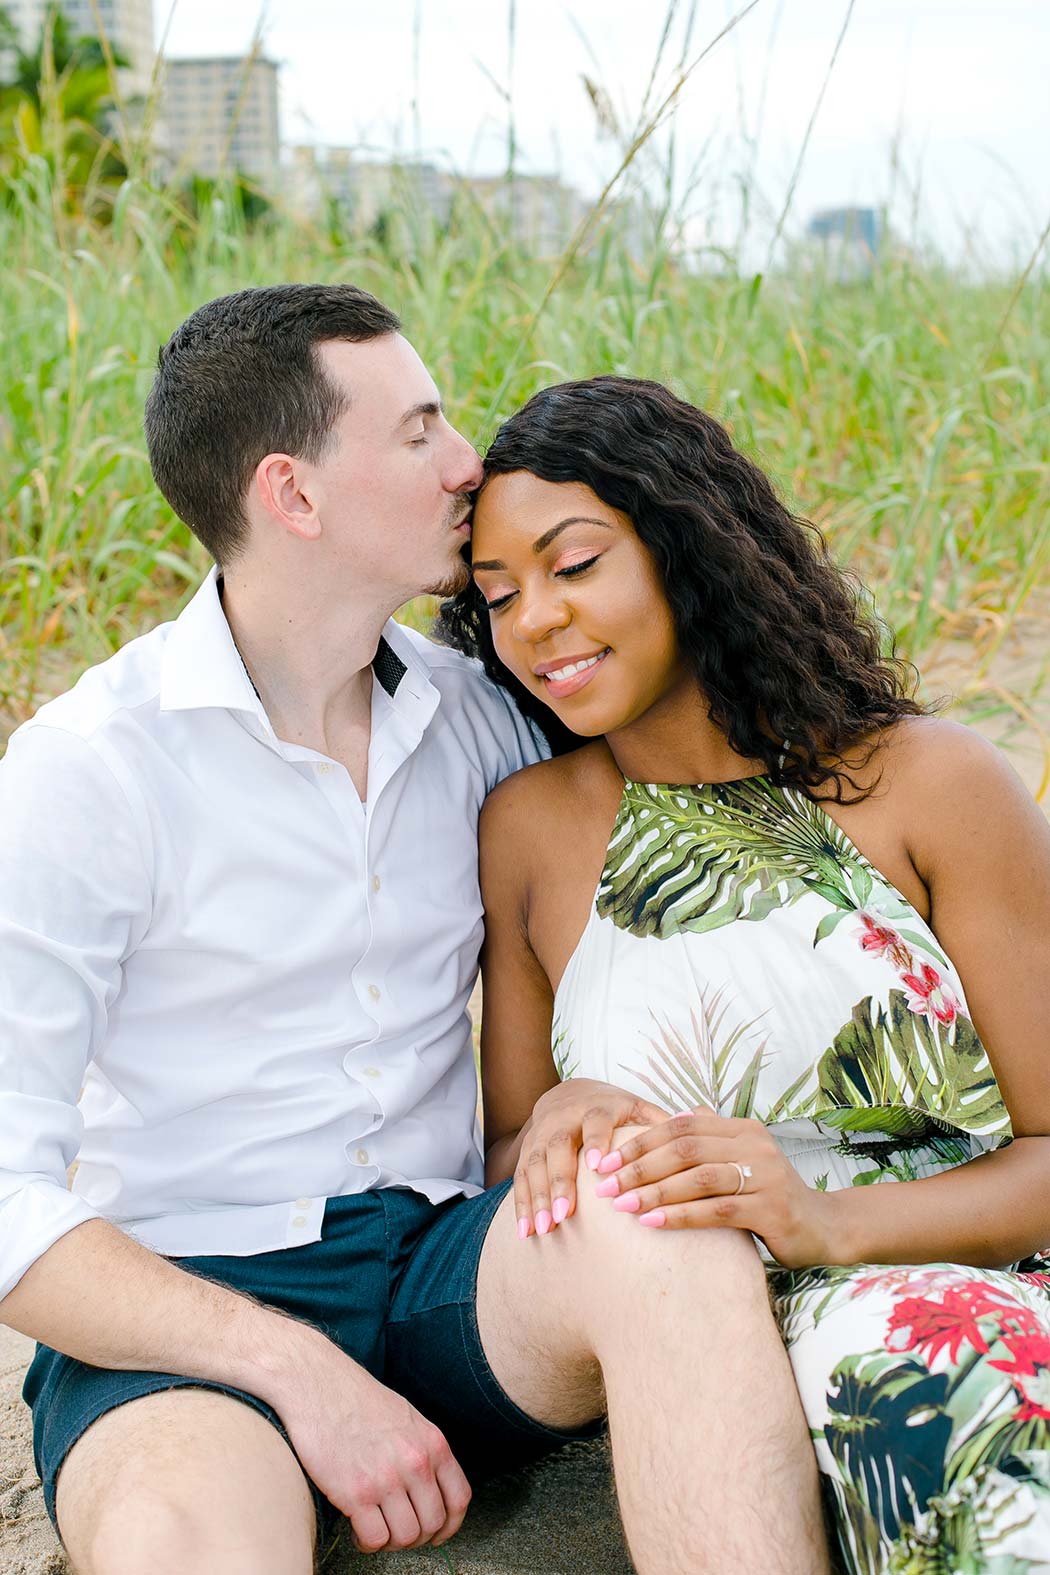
(959, 85)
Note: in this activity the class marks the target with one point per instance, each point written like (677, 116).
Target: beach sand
(558, 1518)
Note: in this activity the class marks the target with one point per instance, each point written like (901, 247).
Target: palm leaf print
(895, 1072)
(969, 1533)
(879, 1400)
(687, 1072)
(561, 1049)
(697, 858)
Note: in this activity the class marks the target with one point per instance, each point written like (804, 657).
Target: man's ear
(285, 495)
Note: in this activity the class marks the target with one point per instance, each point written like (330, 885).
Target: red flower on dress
(917, 1323)
(929, 995)
(1029, 1372)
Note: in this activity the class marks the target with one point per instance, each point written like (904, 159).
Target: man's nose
(467, 471)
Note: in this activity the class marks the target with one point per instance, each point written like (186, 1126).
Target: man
(239, 905)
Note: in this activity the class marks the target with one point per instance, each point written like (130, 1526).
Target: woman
(770, 894)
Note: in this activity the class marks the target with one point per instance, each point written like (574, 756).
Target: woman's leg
(927, 1390)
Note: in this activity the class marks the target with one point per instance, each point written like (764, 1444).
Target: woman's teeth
(573, 668)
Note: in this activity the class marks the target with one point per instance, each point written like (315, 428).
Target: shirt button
(372, 1071)
(373, 991)
(302, 1203)
(362, 1156)
(323, 768)
(299, 1221)
(376, 883)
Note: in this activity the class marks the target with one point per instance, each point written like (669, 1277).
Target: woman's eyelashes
(571, 571)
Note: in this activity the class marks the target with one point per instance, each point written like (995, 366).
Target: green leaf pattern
(687, 865)
(743, 955)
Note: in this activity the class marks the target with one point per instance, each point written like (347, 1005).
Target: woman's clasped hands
(688, 1171)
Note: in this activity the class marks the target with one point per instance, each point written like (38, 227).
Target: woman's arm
(982, 847)
(516, 1062)
(523, 1095)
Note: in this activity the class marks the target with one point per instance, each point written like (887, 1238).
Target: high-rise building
(128, 24)
(539, 211)
(220, 116)
(365, 190)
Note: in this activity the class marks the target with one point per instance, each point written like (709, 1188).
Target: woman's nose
(539, 615)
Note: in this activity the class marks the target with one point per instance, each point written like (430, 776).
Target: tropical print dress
(742, 954)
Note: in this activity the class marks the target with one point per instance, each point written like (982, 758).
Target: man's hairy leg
(715, 1471)
(188, 1479)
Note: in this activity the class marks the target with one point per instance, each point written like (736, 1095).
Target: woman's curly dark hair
(783, 644)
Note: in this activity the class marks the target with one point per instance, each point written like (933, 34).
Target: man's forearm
(102, 1298)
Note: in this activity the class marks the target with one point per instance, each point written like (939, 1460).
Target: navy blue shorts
(393, 1282)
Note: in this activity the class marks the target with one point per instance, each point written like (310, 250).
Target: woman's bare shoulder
(541, 792)
(933, 757)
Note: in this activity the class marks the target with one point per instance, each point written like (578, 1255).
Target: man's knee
(727, 1258)
(186, 1479)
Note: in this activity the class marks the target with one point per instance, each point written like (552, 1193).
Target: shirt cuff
(32, 1218)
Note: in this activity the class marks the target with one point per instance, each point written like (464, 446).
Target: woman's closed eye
(569, 572)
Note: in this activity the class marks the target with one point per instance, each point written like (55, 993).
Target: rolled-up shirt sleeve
(75, 896)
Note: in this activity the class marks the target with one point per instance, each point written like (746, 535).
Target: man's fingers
(429, 1507)
(401, 1518)
(371, 1531)
(455, 1490)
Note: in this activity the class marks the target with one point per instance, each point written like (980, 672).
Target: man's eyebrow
(428, 407)
(543, 542)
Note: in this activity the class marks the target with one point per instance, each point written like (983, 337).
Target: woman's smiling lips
(569, 674)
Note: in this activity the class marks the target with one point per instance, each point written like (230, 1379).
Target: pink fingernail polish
(594, 1158)
(543, 1223)
(607, 1189)
(655, 1217)
(561, 1209)
(611, 1161)
(524, 1229)
(630, 1203)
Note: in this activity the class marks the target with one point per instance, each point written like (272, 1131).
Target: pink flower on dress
(877, 938)
(881, 940)
(929, 996)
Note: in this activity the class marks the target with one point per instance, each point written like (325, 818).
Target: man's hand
(382, 1464)
(580, 1113)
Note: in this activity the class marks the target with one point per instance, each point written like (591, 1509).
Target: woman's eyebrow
(543, 542)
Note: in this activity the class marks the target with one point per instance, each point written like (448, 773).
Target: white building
(221, 116)
(128, 24)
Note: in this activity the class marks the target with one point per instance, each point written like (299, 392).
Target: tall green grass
(907, 414)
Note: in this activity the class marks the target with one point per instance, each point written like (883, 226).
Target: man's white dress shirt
(259, 982)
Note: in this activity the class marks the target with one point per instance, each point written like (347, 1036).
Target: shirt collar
(201, 665)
